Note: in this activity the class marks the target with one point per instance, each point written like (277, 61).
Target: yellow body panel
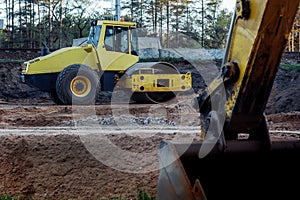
(60, 59)
(116, 61)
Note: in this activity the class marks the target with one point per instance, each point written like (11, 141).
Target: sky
(229, 4)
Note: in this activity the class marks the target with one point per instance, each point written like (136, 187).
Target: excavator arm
(236, 158)
(258, 36)
(258, 40)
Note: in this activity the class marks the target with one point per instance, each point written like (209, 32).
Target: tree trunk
(202, 21)
(26, 25)
(155, 17)
(39, 29)
(168, 23)
(187, 17)
(161, 23)
(177, 25)
(20, 24)
(50, 25)
(7, 2)
(12, 23)
(293, 38)
(33, 27)
(30, 24)
(60, 24)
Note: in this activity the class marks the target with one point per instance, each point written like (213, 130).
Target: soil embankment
(55, 163)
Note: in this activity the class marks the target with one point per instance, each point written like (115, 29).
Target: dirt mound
(11, 88)
(60, 167)
(284, 121)
(285, 93)
(284, 96)
(39, 160)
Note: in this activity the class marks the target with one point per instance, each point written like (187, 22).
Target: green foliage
(7, 197)
(57, 23)
(219, 31)
(11, 61)
(140, 195)
(143, 195)
(214, 24)
(294, 67)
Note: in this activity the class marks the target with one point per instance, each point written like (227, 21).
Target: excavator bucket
(243, 171)
(238, 159)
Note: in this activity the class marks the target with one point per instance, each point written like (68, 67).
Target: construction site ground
(44, 155)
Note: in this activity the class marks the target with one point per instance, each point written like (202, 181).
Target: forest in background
(32, 23)
(55, 23)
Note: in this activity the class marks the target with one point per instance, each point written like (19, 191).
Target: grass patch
(294, 67)
(11, 61)
(141, 195)
(7, 197)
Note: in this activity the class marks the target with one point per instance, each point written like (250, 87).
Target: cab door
(115, 49)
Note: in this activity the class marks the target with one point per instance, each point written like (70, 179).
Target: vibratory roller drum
(161, 84)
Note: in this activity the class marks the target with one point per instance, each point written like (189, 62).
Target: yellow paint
(255, 46)
(86, 55)
(60, 59)
(80, 86)
(150, 82)
(96, 57)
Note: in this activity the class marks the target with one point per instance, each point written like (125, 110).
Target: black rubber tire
(55, 98)
(63, 85)
(140, 97)
(160, 97)
(152, 97)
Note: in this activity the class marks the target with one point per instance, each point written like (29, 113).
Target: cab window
(116, 39)
(134, 42)
(94, 35)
